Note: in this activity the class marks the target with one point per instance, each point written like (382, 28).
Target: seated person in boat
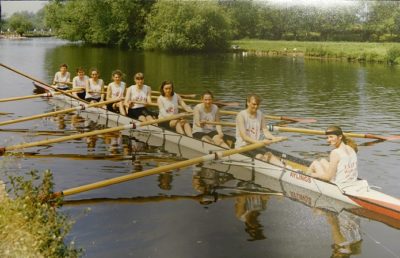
(341, 169)
(62, 78)
(250, 128)
(208, 112)
(116, 90)
(80, 81)
(94, 87)
(136, 98)
(168, 105)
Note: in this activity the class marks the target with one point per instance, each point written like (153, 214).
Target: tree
(105, 22)
(187, 26)
(20, 22)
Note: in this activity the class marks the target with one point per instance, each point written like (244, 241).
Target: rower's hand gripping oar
(134, 125)
(158, 170)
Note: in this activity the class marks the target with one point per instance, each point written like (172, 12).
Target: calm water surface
(198, 212)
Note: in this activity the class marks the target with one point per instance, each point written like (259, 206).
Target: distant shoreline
(346, 51)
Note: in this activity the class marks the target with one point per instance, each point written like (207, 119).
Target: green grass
(29, 226)
(351, 51)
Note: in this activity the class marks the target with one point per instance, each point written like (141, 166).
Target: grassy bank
(30, 227)
(351, 51)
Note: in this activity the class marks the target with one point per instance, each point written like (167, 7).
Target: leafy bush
(393, 55)
(30, 227)
(187, 26)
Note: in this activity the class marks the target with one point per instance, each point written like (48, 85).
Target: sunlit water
(196, 212)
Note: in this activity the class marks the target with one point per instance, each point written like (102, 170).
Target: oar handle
(157, 170)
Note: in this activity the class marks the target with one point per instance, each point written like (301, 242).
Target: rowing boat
(361, 200)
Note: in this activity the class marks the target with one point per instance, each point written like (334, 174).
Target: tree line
(210, 25)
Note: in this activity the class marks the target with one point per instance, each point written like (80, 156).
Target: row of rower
(341, 168)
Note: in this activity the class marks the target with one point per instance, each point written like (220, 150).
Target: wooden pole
(39, 81)
(134, 125)
(47, 94)
(82, 107)
(284, 118)
(158, 170)
(273, 128)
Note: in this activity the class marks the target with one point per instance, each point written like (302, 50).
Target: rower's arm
(161, 108)
(218, 127)
(108, 94)
(183, 104)
(149, 96)
(127, 97)
(328, 173)
(196, 117)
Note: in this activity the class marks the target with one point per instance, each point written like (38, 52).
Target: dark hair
(118, 72)
(163, 85)
(336, 130)
(207, 92)
(80, 69)
(256, 98)
(141, 75)
(94, 70)
(64, 65)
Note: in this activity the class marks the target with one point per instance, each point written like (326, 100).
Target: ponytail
(349, 141)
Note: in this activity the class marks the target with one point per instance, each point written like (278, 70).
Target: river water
(199, 212)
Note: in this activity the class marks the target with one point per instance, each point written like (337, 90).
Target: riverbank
(29, 227)
(349, 51)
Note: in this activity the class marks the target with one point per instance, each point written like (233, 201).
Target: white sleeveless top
(138, 95)
(79, 83)
(205, 116)
(346, 172)
(117, 91)
(59, 78)
(170, 106)
(252, 126)
(95, 89)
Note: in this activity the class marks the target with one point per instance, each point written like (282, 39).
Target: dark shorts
(63, 87)
(81, 95)
(92, 99)
(200, 135)
(228, 139)
(110, 108)
(137, 112)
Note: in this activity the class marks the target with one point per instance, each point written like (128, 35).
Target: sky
(9, 7)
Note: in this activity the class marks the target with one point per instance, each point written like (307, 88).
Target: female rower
(250, 125)
(80, 81)
(62, 78)
(168, 105)
(207, 112)
(341, 169)
(116, 90)
(136, 98)
(94, 87)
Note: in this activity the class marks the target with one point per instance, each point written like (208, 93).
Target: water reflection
(346, 235)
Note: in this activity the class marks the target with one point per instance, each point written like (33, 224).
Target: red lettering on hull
(300, 177)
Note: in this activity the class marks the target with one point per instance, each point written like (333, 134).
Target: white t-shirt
(140, 95)
(95, 89)
(169, 106)
(205, 116)
(252, 126)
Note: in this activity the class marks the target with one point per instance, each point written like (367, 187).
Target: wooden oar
(5, 113)
(285, 118)
(134, 125)
(273, 128)
(39, 81)
(47, 94)
(82, 107)
(218, 103)
(158, 170)
(191, 96)
(321, 132)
